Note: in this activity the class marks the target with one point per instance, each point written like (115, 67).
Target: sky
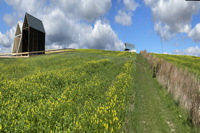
(158, 26)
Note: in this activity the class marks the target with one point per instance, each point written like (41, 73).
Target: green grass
(154, 109)
(86, 91)
(190, 63)
(83, 91)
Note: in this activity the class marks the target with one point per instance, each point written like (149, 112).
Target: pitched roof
(35, 23)
(19, 28)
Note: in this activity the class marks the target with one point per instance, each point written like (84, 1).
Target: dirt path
(154, 109)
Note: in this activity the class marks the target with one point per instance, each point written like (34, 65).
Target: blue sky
(155, 25)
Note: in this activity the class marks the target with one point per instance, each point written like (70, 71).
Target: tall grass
(183, 85)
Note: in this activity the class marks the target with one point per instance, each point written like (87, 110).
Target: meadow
(189, 63)
(180, 75)
(83, 91)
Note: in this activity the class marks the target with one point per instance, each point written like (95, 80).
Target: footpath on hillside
(154, 110)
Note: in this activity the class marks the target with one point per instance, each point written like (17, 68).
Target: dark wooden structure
(33, 36)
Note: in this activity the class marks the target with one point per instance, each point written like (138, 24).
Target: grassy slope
(84, 91)
(14, 69)
(190, 63)
(154, 110)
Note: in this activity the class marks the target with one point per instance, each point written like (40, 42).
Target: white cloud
(163, 31)
(172, 16)
(195, 33)
(150, 2)
(30, 6)
(194, 51)
(6, 39)
(65, 25)
(131, 5)
(166, 53)
(54, 46)
(70, 33)
(10, 19)
(85, 9)
(60, 29)
(103, 37)
(5, 50)
(124, 16)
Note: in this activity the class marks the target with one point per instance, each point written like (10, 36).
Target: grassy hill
(83, 91)
(86, 91)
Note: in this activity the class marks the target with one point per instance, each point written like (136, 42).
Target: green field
(190, 63)
(83, 91)
(155, 111)
(86, 91)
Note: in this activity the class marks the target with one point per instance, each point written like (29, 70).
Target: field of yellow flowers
(190, 63)
(83, 91)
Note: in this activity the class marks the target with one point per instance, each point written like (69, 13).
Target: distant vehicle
(129, 47)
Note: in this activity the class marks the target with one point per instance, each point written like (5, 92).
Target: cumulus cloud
(59, 29)
(70, 33)
(86, 9)
(124, 16)
(5, 50)
(6, 39)
(194, 51)
(22, 6)
(103, 37)
(150, 2)
(66, 23)
(10, 19)
(172, 16)
(195, 33)
(163, 31)
(130, 4)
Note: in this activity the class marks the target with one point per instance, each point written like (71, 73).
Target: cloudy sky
(161, 26)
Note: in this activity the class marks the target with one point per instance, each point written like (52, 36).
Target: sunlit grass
(83, 91)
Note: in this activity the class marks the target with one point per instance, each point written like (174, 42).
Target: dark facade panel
(25, 40)
(33, 39)
(36, 41)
